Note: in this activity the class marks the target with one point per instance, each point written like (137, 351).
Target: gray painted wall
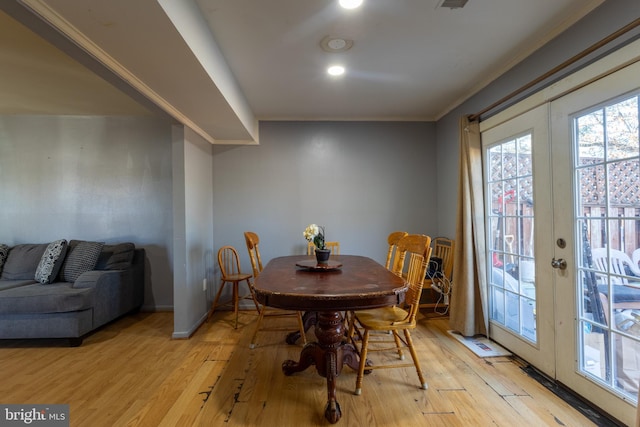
(361, 180)
(603, 21)
(90, 178)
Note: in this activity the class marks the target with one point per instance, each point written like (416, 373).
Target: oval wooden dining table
(349, 282)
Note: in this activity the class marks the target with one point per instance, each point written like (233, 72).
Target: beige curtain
(468, 313)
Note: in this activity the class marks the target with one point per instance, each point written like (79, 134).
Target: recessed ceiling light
(350, 4)
(336, 70)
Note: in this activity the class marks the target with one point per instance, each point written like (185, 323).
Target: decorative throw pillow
(51, 261)
(116, 257)
(4, 253)
(82, 257)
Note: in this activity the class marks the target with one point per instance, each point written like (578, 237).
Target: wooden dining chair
(443, 249)
(416, 249)
(253, 241)
(230, 272)
(393, 240)
(334, 247)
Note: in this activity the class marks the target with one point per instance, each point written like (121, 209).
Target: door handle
(559, 263)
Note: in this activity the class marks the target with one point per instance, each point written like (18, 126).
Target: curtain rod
(558, 68)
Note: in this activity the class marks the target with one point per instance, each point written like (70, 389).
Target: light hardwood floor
(131, 373)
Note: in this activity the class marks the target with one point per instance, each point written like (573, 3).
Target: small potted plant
(315, 233)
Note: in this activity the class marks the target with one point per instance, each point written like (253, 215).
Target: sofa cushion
(23, 261)
(8, 284)
(4, 253)
(116, 257)
(51, 262)
(59, 297)
(82, 257)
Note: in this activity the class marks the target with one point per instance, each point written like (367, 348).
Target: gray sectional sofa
(67, 289)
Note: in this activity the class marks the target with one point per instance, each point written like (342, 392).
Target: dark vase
(322, 256)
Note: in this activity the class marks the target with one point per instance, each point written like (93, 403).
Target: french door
(519, 218)
(562, 197)
(596, 198)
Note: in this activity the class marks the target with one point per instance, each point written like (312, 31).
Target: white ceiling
(219, 66)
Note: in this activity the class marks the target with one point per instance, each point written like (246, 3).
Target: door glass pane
(607, 166)
(511, 247)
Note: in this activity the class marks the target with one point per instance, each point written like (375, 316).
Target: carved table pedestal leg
(329, 354)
